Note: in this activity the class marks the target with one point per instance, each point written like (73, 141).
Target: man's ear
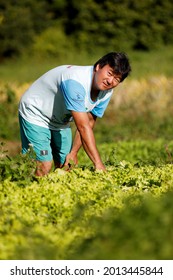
(97, 67)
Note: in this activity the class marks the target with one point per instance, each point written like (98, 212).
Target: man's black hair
(118, 61)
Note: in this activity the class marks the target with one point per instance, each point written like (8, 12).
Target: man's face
(104, 78)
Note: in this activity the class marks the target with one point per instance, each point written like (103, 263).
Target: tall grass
(153, 63)
(144, 64)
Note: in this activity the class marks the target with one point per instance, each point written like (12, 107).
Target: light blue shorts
(47, 144)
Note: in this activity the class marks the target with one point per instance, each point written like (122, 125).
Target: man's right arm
(82, 121)
(77, 143)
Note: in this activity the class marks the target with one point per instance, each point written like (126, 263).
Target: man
(63, 94)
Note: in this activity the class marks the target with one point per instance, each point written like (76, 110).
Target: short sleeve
(74, 95)
(99, 110)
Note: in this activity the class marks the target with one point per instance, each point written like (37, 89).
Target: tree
(120, 23)
(92, 24)
(19, 22)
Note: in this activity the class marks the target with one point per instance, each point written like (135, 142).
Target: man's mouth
(105, 84)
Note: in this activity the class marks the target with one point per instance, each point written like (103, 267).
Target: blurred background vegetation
(56, 27)
(38, 35)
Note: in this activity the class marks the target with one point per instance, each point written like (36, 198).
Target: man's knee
(43, 168)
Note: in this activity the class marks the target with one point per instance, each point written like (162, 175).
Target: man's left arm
(77, 143)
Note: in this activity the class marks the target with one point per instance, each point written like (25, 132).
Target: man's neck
(94, 94)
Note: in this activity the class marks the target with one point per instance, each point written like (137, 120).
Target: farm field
(124, 213)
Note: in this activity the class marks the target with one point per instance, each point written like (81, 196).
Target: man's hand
(71, 159)
(85, 123)
(100, 167)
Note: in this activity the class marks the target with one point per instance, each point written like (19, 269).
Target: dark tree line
(132, 24)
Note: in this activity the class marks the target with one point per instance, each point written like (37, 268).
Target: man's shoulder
(80, 74)
(76, 69)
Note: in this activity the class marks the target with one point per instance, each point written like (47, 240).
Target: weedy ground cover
(83, 214)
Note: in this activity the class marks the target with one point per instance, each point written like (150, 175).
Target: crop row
(125, 212)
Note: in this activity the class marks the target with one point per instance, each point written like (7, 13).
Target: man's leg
(61, 143)
(43, 168)
(39, 138)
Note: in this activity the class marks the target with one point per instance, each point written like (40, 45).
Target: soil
(10, 148)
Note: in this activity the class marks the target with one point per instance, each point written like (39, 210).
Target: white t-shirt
(50, 99)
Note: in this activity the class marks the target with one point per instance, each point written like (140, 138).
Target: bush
(9, 127)
(53, 43)
(143, 231)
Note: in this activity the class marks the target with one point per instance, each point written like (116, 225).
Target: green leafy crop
(123, 213)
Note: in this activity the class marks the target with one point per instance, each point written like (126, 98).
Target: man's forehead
(118, 75)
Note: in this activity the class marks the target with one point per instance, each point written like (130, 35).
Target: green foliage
(20, 168)
(142, 230)
(104, 25)
(138, 152)
(122, 213)
(119, 24)
(108, 22)
(52, 43)
(9, 127)
(19, 24)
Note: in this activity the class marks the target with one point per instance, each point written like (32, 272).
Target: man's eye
(117, 80)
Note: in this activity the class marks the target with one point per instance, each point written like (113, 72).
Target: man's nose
(110, 80)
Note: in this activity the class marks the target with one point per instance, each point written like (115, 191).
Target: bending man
(64, 94)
